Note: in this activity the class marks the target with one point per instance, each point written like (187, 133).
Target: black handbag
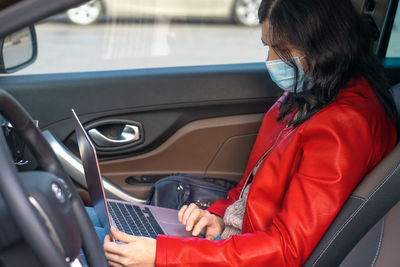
(177, 190)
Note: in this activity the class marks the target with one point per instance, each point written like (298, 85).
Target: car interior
(147, 124)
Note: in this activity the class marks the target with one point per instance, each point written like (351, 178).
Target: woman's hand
(200, 221)
(138, 250)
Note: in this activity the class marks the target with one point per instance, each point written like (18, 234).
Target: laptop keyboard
(133, 220)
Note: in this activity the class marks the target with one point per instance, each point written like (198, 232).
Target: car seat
(366, 232)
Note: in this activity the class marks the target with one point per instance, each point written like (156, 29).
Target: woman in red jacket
(332, 125)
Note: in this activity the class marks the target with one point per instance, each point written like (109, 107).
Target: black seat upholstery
(361, 226)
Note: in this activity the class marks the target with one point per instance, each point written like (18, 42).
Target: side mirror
(18, 50)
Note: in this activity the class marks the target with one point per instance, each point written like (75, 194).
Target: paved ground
(65, 47)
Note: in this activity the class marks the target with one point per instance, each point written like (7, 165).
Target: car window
(132, 34)
(394, 42)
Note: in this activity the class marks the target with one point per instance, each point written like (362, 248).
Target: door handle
(129, 134)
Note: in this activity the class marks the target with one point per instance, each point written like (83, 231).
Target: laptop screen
(92, 173)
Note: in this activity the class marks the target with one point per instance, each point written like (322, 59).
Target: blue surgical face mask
(284, 75)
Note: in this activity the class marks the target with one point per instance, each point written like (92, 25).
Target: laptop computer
(131, 218)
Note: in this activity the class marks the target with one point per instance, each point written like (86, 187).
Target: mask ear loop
(297, 66)
(305, 75)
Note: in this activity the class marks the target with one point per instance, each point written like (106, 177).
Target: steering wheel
(45, 204)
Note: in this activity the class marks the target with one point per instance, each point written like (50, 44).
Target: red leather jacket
(300, 186)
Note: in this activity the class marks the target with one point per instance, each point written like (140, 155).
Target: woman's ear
(272, 55)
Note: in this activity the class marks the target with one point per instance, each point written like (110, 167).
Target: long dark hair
(337, 45)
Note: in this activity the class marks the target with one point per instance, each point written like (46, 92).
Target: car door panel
(212, 147)
(198, 120)
(50, 97)
(158, 125)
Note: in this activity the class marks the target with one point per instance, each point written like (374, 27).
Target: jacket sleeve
(332, 161)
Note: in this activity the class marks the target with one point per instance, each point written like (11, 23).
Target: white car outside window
(159, 40)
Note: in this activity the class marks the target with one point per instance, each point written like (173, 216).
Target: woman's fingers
(181, 212)
(210, 225)
(190, 216)
(113, 259)
(111, 247)
(194, 217)
(115, 264)
(107, 239)
(140, 251)
(203, 222)
(213, 230)
(188, 211)
(121, 236)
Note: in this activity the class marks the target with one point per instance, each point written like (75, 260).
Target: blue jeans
(101, 233)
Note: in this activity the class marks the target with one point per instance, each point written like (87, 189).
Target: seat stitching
(355, 213)
(357, 197)
(380, 243)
